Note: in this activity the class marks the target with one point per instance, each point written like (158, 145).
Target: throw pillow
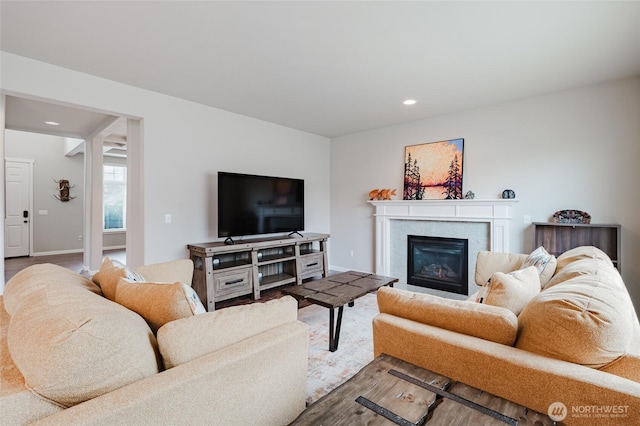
(110, 273)
(158, 303)
(481, 295)
(544, 262)
(513, 290)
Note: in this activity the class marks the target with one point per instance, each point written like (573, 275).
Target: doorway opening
(119, 139)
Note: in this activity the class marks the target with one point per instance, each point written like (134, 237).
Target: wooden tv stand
(224, 271)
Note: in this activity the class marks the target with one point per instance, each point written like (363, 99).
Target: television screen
(251, 205)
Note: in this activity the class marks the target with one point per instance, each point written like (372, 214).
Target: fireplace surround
(484, 222)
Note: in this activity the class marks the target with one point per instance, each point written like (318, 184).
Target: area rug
(327, 370)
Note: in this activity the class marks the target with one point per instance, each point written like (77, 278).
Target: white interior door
(17, 207)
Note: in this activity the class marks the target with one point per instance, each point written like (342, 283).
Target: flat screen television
(253, 205)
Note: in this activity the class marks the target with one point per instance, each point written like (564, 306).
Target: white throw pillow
(544, 263)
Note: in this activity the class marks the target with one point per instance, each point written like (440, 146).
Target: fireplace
(438, 263)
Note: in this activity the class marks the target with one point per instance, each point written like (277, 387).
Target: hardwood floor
(72, 261)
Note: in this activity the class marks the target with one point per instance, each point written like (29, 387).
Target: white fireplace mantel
(497, 213)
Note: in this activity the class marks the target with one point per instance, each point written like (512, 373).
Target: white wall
(58, 230)
(577, 149)
(185, 144)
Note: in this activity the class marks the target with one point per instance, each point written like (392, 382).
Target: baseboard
(72, 251)
(52, 253)
(341, 269)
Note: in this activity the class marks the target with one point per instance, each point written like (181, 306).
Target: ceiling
(333, 68)
(29, 115)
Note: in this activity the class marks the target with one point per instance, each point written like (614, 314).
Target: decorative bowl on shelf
(571, 216)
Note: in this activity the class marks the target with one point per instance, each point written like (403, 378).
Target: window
(115, 197)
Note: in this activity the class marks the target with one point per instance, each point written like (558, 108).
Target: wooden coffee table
(338, 290)
(389, 391)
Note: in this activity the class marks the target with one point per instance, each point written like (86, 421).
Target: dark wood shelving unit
(557, 238)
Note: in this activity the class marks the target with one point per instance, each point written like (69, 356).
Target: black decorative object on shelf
(508, 194)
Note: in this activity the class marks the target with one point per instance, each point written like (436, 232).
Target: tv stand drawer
(234, 283)
(311, 264)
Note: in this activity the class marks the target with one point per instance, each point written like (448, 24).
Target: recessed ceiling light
(409, 102)
(52, 123)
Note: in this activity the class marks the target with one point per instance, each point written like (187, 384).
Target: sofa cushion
(18, 405)
(72, 345)
(189, 338)
(582, 267)
(474, 319)
(16, 291)
(586, 320)
(110, 273)
(579, 253)
(544, 262)
(488, 262)
(158, 303)
(180, 270)
(513, 290)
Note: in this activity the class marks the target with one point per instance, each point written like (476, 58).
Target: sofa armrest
(525, 378)
(474, 319)
(180, 270)
(188, 338)
(260, 380)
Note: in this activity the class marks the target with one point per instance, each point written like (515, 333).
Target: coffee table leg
(334, 329)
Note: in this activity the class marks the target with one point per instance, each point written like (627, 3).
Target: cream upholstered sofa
(575, 340)
(72, 356)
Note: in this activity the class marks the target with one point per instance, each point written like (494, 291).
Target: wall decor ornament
(508, 194)
(571, 216)
(381, 194)
(64, 190)
(433, 171)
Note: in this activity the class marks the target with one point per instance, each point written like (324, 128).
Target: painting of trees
(433, 170)
(413, 189)
(453, 184)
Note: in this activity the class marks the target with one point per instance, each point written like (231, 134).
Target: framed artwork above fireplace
(433, 171)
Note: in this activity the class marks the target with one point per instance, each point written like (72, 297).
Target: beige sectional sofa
(573, 344)
(71, 356)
